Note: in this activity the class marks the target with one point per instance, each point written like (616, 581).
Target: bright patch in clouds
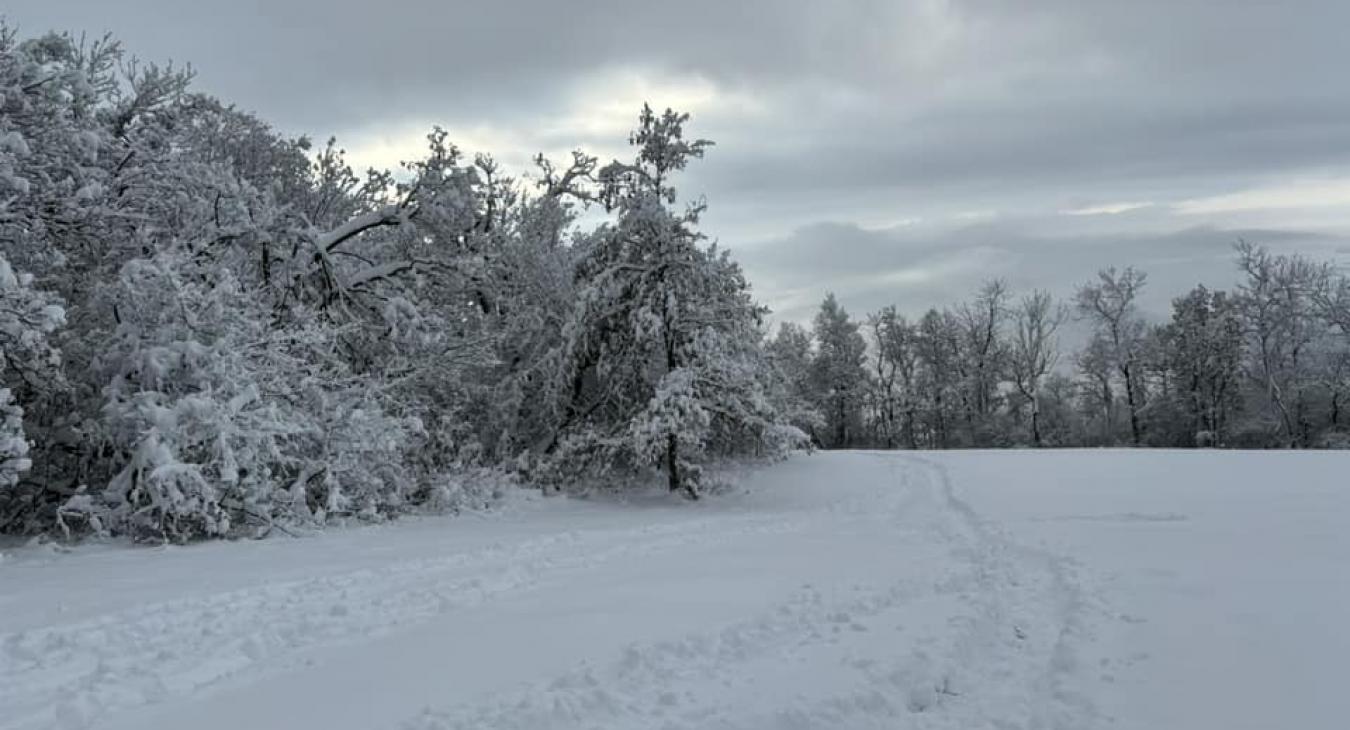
(1308, 193)
(1106, 209)
(605, 105)
(974, 216)
(597, 116)
(388, 147)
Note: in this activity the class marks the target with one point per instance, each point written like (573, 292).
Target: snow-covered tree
(837, 373)
(1202, 356)
(1276, 300)
(228, 425)
(937, 345)
(660, 363)
(27, 319)
(789, 353)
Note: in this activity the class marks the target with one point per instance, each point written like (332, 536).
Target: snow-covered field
(1112, 589)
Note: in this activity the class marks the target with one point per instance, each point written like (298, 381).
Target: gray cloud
(865, 113)
(917, 267)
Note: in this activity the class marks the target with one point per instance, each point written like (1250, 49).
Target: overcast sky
(894, 152)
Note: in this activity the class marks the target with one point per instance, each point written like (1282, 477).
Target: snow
(1067, 589)
(1226, 573)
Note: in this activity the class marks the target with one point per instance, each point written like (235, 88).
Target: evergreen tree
(838, 377)
(1203, 355)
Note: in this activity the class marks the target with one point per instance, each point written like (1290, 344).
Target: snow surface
(1138, 590)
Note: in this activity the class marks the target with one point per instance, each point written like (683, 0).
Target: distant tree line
(210, 329)
(1266, 365)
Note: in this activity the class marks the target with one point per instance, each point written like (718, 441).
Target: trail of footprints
(1010, 619)
(76, 673)
(1008, 623)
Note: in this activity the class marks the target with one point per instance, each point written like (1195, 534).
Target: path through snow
(838, 591)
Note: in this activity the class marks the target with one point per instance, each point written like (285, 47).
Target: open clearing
(1137, 590)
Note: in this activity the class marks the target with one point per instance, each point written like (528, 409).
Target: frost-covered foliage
(13, 443)
(226, 422)
(660, 362)
(27, 319)
(222, 330)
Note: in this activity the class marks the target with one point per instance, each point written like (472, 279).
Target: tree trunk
(841, 433)
(911, 436)
(673, 462)
(674, 477)
(1133, 406)
(1036, 421)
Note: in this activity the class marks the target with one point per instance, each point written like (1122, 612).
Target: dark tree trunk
(841, 433)
(1036, 425)
(1132, 405)
(673, 462)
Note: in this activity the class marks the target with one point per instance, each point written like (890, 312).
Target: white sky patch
(597, 117)
(387, 147)
(1106, 208)
(606, 104)
(926, 271)
(886, 224)
(948, 266)
(1307, 193)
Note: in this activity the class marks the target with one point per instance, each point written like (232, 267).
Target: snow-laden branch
(382, 271)
(389, 215)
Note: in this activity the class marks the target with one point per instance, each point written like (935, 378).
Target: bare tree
(1109, 304)
(897, 367)
(1035, 350)
(1276, 301)
(984, 351)
(885, 372)
(1332, 297)
(937, 340)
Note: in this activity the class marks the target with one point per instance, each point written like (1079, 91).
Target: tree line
(211, 329)
(1266, 365)
(208, 328)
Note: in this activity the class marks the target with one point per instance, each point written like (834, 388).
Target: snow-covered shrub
(256, 334)
(466, 490)
(27, 319)
(13, 443)
(1334, 440)
(672, 427)
(226, 423)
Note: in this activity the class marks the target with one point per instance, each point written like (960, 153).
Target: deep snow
(1139, 590)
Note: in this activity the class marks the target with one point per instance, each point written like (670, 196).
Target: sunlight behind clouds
(596, 116)
(1329, 192)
